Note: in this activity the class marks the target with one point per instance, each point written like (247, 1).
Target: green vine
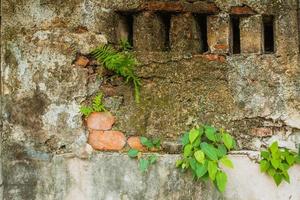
(145, 161)
(121, 62)
(96, 106)
(276, 161)
(204, 149)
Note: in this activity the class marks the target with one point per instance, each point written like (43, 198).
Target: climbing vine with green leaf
(96, 106)
(205, 148)
(145, 161)
(276, 162)
(121, 62)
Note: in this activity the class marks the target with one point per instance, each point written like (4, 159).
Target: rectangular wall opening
(235, 35)
(202, 31)
(166, 23)
(268, 34)
(124, 29)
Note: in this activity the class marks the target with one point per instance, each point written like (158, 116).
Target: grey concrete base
(113, 176)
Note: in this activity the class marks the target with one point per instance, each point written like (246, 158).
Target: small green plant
(204, 149)
(276, 161)
(97, 106)
(155, 143)
(121, 62)
(145, 161)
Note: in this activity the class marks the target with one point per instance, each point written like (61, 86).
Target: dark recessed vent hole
(202, 31)
(235, 35)
(125, 27)
(166, 23)
(268, 34)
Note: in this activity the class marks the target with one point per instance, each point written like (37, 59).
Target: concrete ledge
(114, 176)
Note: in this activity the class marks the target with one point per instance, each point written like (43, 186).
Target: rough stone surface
(107, 140)
(101, 121)
(41, 91)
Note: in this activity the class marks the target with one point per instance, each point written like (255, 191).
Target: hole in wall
(201, 20)
(235, 35)
(165, 19)
(268, 34)
(124, 29)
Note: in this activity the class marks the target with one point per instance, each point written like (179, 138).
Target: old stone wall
(249, 86)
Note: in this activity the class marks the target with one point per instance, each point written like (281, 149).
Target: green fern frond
(123, 63)
(97, 106)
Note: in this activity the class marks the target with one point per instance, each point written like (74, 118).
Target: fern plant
(123, 63)
(97, 106)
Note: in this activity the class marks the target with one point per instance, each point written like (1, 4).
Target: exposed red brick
(221, 46)
(163, 6)
(82, 61)
(214, 57)
(261, 132)
(100, 121)
(107, 140)
(242, 10)
(135, 143)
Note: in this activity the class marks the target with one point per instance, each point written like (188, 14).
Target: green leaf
(179, 163)
(212, 170)
(226, 162)
(277, 178)
(297, 159)
(193, 163)
(210, 151)
(265, 154)
(146, 142)
(271, 171)
(144, 164)
(133, 153)
(152, 159)
(201, 170)
(194, 133)
(222, 151)
(275, 163)
(290, 159)
(187, 150)
(221, 179)
(274, 147)
(210, 133)
(197, 142)
(264, 165)
(185, 139)
(199, 155)
(156, 142)
(228, 140)
(286, 176)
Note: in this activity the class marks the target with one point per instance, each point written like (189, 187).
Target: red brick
(242, 10)
(261, 132)
(100, 121)
(82, 61)
(107, 140)
(135, 143)
(221, 46)
(214, 57)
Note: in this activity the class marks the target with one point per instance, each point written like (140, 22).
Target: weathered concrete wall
(101, 177)
(254, 95)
